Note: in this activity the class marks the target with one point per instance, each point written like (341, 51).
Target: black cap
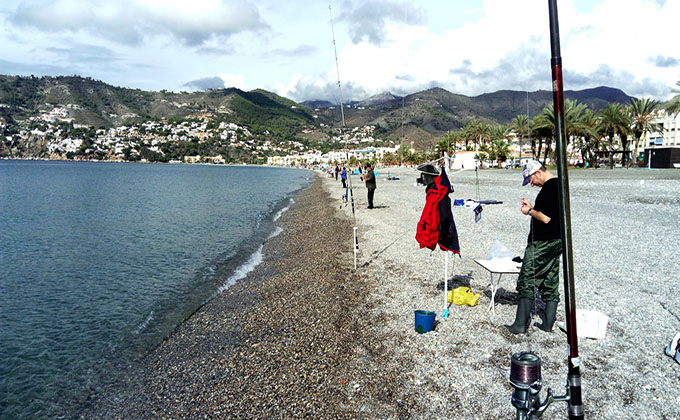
(428, 168)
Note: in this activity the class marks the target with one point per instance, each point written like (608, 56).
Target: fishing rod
(355, 244)
(573, 362)
(337, 68)
(525, 368)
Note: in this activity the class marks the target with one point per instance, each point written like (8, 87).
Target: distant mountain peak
(378, 99)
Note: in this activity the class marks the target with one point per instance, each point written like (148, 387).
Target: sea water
(101, 261)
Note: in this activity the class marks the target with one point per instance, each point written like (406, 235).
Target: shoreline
(277, 344)
(306, 336)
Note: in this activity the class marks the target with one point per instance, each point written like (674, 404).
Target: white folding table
(498, 266)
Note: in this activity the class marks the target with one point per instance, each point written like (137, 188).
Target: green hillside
(236, 124)
(101, 105)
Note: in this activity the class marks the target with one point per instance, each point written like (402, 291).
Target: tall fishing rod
(574, 376)
(403, 104)
(525, 367)
(337, 68)
(355, 244)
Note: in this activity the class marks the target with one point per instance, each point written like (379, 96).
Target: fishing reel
(525, 377)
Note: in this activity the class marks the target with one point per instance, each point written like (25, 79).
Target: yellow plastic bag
(462, 296)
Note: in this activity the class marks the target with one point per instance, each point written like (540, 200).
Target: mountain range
(421, 118)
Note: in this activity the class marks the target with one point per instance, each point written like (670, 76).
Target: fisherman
(343, 176)
(369, 178)
(541, 264)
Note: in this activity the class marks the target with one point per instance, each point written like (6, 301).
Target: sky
(467, 47)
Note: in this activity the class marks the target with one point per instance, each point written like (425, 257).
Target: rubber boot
(549, 317)
(523, 317)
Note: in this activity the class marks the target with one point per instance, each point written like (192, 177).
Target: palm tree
(521, 126)
(615, 120)
(498, 146)
(478, 131)
(499, 150)
(544, 126)
(643, 112)
(588, 135)
(580, 125)
(575, 124)
(466, 135)
(673, 106)
(543, 131)
(449, 141)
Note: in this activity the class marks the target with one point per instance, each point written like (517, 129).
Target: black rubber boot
(523, 317)
(549, 317)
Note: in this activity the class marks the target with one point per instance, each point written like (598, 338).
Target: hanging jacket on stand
(436, 224)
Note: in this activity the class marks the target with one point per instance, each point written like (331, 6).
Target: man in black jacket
(369, 178)
(541, 264)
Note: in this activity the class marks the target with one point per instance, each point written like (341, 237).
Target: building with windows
(661, 149)
(315, 157)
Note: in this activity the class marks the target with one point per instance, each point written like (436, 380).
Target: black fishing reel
(525, 377)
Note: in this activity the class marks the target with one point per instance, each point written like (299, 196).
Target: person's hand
(526, 206)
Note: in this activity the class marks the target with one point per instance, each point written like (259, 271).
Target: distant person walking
(343, 177)
(337, 169)
(369, 178)
(541, 264)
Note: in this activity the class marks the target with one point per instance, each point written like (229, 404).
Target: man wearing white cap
(541, 264)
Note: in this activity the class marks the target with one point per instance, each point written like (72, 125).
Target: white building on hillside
(315, 157)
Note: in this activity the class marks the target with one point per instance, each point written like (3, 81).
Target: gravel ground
(286, 342)
(625, 233)
(306, 336)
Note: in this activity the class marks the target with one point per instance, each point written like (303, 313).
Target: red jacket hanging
(436, 223)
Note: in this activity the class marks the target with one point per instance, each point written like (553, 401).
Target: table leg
(493, 293)
(494, 288)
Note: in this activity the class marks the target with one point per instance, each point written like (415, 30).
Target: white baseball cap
(529, 169)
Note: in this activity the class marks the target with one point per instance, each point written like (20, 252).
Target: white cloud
(403, 46)
(425, 57)
(131, 21)
(508, 47)
(233, 80)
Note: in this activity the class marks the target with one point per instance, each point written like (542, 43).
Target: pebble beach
(305, 335)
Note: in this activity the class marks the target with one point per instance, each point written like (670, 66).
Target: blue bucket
(424, 321)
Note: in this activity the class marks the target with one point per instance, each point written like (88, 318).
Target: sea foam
(242, 271)
(283, 210)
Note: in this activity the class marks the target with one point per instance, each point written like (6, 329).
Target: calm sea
(100, 261)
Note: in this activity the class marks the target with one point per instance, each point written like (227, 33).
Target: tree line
(590, 133)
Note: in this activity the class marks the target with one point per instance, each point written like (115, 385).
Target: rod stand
(355, 246)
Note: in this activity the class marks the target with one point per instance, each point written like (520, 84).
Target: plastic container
(498, 250)
(424, 321)
(589, 324)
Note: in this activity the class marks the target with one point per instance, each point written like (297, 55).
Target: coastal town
(59, 137)
(200, 139)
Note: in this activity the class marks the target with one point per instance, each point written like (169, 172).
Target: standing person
(337, 169)
(343, 176)
(541, 264)
(369, 178)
